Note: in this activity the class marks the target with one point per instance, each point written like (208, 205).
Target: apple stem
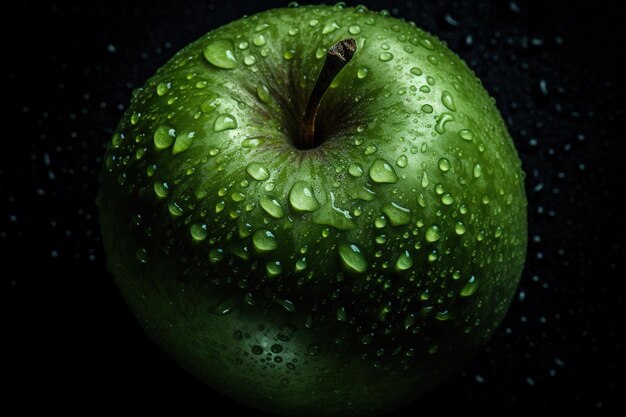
(337, 57)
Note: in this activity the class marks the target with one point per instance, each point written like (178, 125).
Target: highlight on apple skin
(343, 271)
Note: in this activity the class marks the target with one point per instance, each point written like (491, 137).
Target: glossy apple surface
(345, 279)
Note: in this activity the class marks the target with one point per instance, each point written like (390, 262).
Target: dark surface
(69, 344)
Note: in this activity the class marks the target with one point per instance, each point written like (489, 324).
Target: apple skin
(346, 279)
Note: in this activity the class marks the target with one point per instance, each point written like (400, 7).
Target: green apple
(316, 210)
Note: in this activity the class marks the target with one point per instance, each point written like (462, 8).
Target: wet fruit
(335, 258)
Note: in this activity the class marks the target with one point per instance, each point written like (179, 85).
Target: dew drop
(164, 137)
(221, 54)
(459, 228)
(161, 189)
(404, 261)
(355, 169)
(225, 121)
(216, 255)
(398, 215)
(198, 231)
(183, 142)
(447, 199)
(257, 171)
(174, 209)
(362, 72)
(352, 258)
(448, 100)
(263, 93)
(342, 315)
(264, 241)
(163, 88)
(440, 126)
(416, 71)
(329, 28)
(354, 29)
(273, 268)
(444, 165)
(251, 142)
(142, 255)
(385, 56)
(433, 233)
(466, 134)
(477, 171)
(470, 287)
(427, 108)
(402, 161)
(259, 40)
(272, 207)
(382, 172)
(301, 197)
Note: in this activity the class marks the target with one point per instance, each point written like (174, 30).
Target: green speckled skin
(288, 324)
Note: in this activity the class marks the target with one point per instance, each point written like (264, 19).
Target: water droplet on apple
(352, 259)
(370, 149)
(163, 88)
(225, 121)
(302, 198)
(416, 71)
(342, 315)
(164, 137)
(427, 108)
(433, 233)
(330, 27)
(174, 209)
(385, 56)
(313, 22)
(263, 93)
(198, 231)
(440, 126)
(382, 172)
(272, 207)
(398, 215)
(293, 31)
(355, 169)
(301, 264)
(425, 181)
(209, 105)
(459, 228)
(221, 53)
(142, 255)
(259, 40)
(249, 60)
(289, 54)
(470, 287)
(466, 134)
(161, 189)
(404, 261)
(402, 161)
(380, 222)
(334, 216)
(216, 255)
(362, 72)
(251, 142)
(444, 165)
(354, 29)
(183, 142)
(448, 100)
(477, 171)
(273, 268)
(225, 306)
(447, 199)
(264, 241)
(313, 349)
(116, 140)
(257, 171)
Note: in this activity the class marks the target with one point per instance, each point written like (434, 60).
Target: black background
(70, 346)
